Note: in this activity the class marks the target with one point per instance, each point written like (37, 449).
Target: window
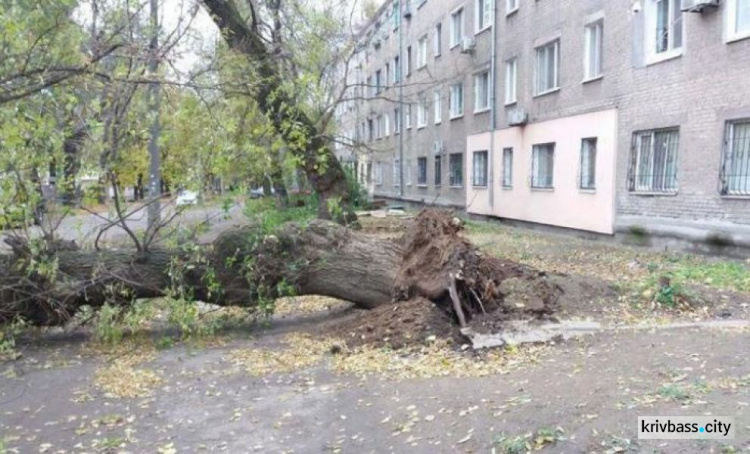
(663, 28)
(378, 173)
(408, 61)
(370, 88)
(483, 14)
(422, 52)
(507, 167)
(422, 114)
(511, 6)
(370, 129)
(397, 121)
(407, 171)
(587, 179)
(422, 171)
(438, 106)
(457, 27)
(480, 168)
(408, 116)
(397, 172)
(378, 82)
(396, 70)
(735, 171)
(456, 170)
(543, 165)
(738, 19)
(438, 42)
(438, 171)
(511, 81)
(654, 161)
(547, 67)
(387, 125)
(457, 100)
(482, 92)
(387, 75)
(592, 65)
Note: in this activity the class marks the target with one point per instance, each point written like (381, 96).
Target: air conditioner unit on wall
(697, 6)
(517, 117)
(468, 45)
(437, 147)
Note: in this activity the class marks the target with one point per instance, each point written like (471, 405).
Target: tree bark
(322, 168)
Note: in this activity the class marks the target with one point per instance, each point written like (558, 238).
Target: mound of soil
(398, 325)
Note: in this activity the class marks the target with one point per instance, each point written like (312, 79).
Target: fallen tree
(246, 266)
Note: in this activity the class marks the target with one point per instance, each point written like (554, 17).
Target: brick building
(599, 115)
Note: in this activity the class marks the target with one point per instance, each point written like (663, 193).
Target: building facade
(602, 115)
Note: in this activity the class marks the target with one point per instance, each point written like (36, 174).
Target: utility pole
(154, 173)
(401, 107)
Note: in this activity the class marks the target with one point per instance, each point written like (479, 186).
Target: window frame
(437, 106)
(438, 168)
(407, 115)
(590, 184)
(422, 171)
(634, 174)
(378, 173)
(482, 15)
(651, 18)
(507, 169)
(555, 45)
(422, 114)
(422, 52)
(454, 39)
(437, 41)
(536, 151)
(596, 27)
(453, 113)
(479, 179)
(396, 172)
(511, 63)
(728, 160)
(487, 95)
(511, 6)
(452, 178)
(732, 33)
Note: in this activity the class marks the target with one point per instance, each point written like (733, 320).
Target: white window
(738, 19)
(543, 165)
(483, 14)
(735, 174)
(438, 106)
(507, 167)
(408, 116)
(664, 28)
(592, 64)
(511, 6)
(587, 171)
(438, 41)
(479, 169)
(378, 173)
(422, 52)
(457, 27)
(408, 61)
(482, 92)
(396, 71)
(387, 124)
(457, 100)
(547, 67)
(397, 121)
(407, 171)
(511, 81)
(653, 165)
(397, 172)
(422, 114)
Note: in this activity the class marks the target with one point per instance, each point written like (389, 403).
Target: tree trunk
(322, 168)
(243, 268)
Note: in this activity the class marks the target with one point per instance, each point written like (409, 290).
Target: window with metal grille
(422, 171)
(479, 168)
(653, 166)
(587, 178)
(456, 169)
(507, 167)
(735, 169)
(438, 171)
(543, 165)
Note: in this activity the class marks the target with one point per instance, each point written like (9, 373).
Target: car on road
(186, 197)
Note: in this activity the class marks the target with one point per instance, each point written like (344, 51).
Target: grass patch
(519, 444)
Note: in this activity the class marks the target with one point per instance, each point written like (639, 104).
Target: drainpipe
(401, 113)
(493, 107)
